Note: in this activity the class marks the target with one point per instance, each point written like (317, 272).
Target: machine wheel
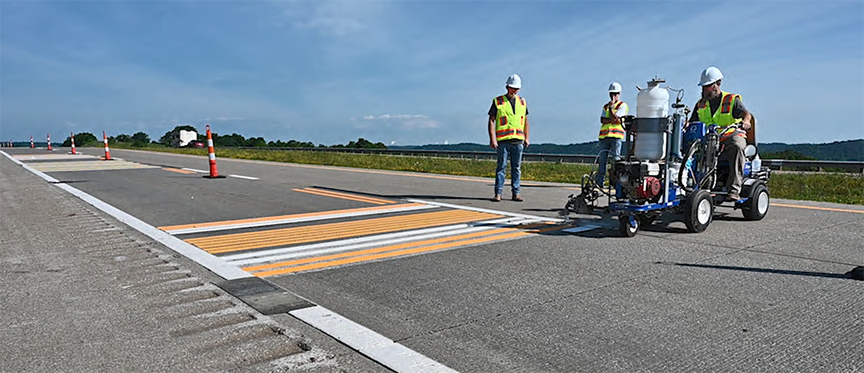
(757, 206)
(698, 211)
(648, 218)
(628, 225)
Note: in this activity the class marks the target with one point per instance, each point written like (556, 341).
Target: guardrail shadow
(847, 275)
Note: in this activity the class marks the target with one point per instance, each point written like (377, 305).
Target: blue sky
(416, 72)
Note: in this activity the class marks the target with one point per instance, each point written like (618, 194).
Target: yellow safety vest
(613, 130)
(509, 124)
(722, 117)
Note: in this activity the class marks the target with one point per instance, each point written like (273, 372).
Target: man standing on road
(611, 129)
(508, 134)
(727, 111)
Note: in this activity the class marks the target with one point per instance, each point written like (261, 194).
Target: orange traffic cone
(49, 143)
(107, 151)
(32, 145)
(214, 173)
(72, 136)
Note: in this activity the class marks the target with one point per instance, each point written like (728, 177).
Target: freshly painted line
(355, 243)
(376, 346)
(351, 241)
(817, 208)
(390, 254)
(298, 235)
(244, 177)
(177, 170)
(488, 211)
(350, 256)
(195, 170)
(353, 197)
(288, 219)
(582, 228)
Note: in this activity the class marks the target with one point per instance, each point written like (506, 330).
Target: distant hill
(850, 150)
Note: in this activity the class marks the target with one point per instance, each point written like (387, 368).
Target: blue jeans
(513, 151)
(613, 146)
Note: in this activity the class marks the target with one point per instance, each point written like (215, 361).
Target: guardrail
(774, 164)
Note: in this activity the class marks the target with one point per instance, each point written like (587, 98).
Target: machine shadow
(761, 270)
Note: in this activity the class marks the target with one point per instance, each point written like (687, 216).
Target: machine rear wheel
(628, 225)
(757, 206)
(698, 211)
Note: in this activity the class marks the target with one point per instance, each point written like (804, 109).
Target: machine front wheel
(628, 225)
(757, 206)
(698, 211)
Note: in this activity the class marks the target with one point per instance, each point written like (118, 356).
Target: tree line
(141, 139)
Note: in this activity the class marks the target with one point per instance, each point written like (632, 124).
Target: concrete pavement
(82, 292)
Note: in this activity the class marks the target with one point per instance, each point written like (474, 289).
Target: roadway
(428, 262)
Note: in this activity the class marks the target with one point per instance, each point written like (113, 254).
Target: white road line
(582, 228)
(486, 210)
(194, 170)
(297, 220)
(376, 346)
(352, 244)
(244, 177)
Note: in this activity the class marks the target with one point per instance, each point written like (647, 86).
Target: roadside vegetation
(845, 188)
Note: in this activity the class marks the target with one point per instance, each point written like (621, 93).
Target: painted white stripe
(212, 156)
(340, 246)
(582, 228)
(505, 213)
(195, 170)
(297, 220)
(244, 177)
(210, 142)
(376, 346)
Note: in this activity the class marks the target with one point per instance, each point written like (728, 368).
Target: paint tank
(652, 121)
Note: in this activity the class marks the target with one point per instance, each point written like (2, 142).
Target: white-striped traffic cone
(214, 173)
(107, 151)
(49, 143)
(32, 145)
(72, 136)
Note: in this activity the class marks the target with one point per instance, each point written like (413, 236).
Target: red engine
(649, 188)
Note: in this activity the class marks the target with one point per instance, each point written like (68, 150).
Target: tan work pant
(734, 151)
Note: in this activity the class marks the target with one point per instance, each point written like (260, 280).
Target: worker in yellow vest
(611, 130)
(508, 134)
(725, 109)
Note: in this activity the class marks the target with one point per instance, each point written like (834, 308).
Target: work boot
(517, 198)
(733, 197)
(497, 198)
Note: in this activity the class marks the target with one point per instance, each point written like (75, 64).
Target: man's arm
(740, 111)
(526, 132)
(493, 142)
(613, 116)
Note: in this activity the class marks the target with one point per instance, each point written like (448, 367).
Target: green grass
(844, 188)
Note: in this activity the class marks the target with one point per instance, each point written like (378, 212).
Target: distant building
(183, 138)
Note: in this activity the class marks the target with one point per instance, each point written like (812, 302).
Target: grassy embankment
(845, 188)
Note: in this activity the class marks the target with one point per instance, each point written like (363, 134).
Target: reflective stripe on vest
(723, 117)
(510, 124)
(613, 130)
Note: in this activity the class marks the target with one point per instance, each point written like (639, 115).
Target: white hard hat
(710, 75)
(615, 87)
(514, 81)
